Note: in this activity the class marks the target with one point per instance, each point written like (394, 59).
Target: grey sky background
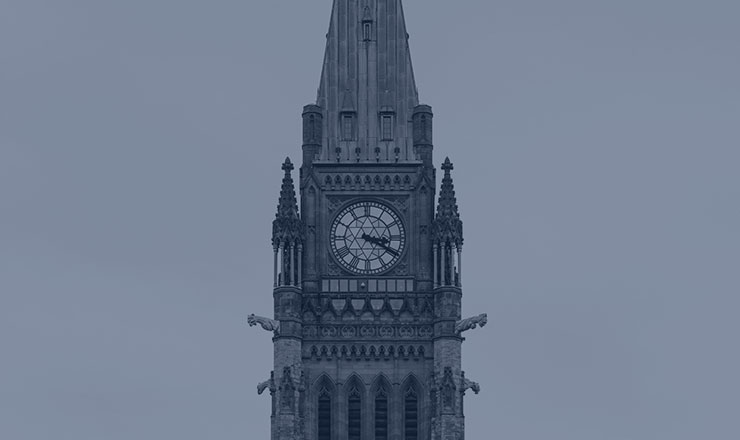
(597, 153)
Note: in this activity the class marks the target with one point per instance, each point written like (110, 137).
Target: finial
(287, 165)
(447, 165)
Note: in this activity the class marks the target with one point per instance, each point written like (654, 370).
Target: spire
(367, 89)
(447, 224)
(287, 226)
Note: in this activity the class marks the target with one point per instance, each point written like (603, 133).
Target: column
(292, 279)
(459, 266)
(434, 267)
(444, 264)
(300, 264)
(453, 264)
(275, 265)
(281, 264)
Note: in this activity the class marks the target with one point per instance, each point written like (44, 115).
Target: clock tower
(368, 260)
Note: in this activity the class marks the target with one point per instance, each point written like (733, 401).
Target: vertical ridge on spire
(448, 227)
(287, 227)
(367, 71)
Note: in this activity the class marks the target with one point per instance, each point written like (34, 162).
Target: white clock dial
(367, 237)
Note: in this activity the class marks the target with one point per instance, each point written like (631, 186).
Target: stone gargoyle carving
(468, 384)
(471, 323)
(268, 324)
(267, 384)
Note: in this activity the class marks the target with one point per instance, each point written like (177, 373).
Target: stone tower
(368, 270)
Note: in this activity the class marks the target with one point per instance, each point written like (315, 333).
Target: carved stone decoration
(471, 323)
(426, 332)
(287, 390)
(401, 270)
(269, 325)
(386, 332)
(270, 383)
(333, 268)
(467, 384)
(448, 390)
(348, 332)
(334, 203)
(433, 394)
(406, 332)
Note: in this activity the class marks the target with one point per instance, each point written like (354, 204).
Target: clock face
(367, 237)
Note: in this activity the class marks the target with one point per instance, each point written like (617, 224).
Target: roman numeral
(355, 262)
(367, 210)
(343, 252)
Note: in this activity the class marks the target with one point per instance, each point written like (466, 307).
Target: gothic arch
(381, 382)
(354, 396)
(354, 381)
(411, 381)
(381, 398)
(412, 401)
(324, 388)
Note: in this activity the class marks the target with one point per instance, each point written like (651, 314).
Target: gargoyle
(267, 384)
(268, 324)
(471, 323)
(470, 385)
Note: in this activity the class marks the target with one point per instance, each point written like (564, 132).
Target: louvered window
(354, 415)
(324, 415)
(411, 415)
(381, 416)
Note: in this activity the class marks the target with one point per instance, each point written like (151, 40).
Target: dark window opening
(367, 31)
(354, 416)
(381, 416)
(324, 416)
(386, 127)
(411, 416)
(348, 127)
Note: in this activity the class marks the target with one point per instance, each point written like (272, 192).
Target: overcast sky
(597, 154)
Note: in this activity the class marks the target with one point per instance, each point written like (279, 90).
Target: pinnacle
(447, 166)
(288, 165)
(447, 224)
(287, 226)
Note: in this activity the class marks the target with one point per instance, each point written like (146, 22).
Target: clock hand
(388, 249)
(382, 242)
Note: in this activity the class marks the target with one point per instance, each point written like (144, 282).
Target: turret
(422, 123)
(313, 127)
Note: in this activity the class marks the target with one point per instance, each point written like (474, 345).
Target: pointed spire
(367, 70)
(447, 225)
(287, 226)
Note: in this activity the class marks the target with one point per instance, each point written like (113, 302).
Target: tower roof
(287, 226)
(447, 224)
(367, 73)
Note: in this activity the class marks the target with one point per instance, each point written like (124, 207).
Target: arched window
(381, 414)
(324, 414)
(354, 415)
(410, 415)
